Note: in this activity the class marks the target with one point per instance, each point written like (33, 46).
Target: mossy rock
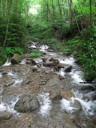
(16, 59)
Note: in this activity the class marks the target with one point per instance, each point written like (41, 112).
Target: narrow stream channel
(50, 114)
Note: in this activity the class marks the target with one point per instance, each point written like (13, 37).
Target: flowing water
(49, 113)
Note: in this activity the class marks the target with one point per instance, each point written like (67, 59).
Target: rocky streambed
(46, 92)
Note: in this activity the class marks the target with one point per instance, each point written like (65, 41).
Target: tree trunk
(71, 12)
(90, 13)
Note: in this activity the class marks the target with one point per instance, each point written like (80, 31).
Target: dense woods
(66, 25)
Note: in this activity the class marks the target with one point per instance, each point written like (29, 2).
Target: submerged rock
(27, 103)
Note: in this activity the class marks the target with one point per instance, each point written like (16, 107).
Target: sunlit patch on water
(69, 61)
(7, 63)
(45, 104)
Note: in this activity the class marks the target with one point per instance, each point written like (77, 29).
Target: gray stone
(27, 103)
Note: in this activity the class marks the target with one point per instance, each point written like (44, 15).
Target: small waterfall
(7, 63)
(8, 106)
(45, 104)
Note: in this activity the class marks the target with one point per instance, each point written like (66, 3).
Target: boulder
(67, 94)
(27, 103)
(16, 59)
(5, 115)
(68, 69)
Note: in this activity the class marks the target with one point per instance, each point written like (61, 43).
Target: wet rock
(87, 88)
(5, 115)
(94, 96)
(49, 64)
(36, 61)
(28, 61)
(52, 64)
(34, 68)
(76, 104)
(94, 120)
(44, 59)
(56, 97)
(72, 117)
(27, 103)
(67, 53)
(67, 94)
(16, 59)
(50, 50)
(4, 73)
(53, 59)
(9, 83)
(68, 69)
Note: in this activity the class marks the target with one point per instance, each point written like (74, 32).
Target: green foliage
(36, 54)
(8, 52)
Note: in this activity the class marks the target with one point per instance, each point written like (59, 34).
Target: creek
(66, 99)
